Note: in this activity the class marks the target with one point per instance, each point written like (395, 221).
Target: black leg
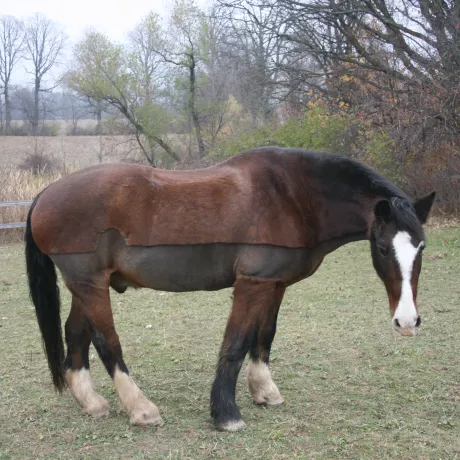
(77, 374)
(252, 298)
(261, 385)
(77, 338)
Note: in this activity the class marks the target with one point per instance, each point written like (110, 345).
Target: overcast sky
(115, 19)
(110, 17)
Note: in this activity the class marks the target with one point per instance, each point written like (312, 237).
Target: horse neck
(342, 221)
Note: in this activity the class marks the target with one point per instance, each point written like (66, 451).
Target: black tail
(44, 293)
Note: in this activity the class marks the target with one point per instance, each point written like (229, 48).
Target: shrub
(318, 129)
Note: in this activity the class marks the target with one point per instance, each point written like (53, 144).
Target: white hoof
(81, 387)
(148, 414)
(141, 411)
(270, 399)
(234, 425)
(261, 385)
(97, 408)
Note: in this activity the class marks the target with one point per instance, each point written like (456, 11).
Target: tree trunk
(195, 119)
(99, 116)
(166, 148)
(7, 110)
(35, 118)
(1, 117)
(140, 130)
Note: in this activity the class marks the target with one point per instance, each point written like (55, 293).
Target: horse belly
(213, 266)
(182, 268)
(177, 268)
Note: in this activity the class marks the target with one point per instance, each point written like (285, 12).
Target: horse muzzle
(407, 326)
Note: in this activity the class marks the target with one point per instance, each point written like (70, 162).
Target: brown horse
(259, 222)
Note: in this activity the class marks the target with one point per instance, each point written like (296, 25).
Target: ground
(353, 387)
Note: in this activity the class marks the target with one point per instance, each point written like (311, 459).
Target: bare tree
(44, 43)
(183, 50)
(146, 63)
(104, 71)
(186, 26)
(216, 79)
(11, 42)
(254, 47)
(23, 102)
(75, 109)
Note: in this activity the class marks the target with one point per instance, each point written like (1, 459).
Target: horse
(258, 222)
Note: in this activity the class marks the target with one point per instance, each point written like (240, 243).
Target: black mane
(348, 176)
(341, 172)
(346, 179)
(405, 215)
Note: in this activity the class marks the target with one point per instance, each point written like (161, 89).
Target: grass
(67, 152)
(20, 185)
(75, 152)
(353, 387)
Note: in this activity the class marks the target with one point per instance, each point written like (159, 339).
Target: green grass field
(353, 387)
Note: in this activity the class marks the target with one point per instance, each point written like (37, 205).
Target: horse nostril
(419, 321)
(397, 323)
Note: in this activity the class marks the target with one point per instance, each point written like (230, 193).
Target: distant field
(353, 388)
(70, 152)
(62, 127)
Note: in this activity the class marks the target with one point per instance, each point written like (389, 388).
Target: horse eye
(383, 251)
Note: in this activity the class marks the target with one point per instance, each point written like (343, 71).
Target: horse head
(397, 241)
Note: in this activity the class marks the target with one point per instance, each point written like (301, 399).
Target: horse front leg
(253, 299)
(261, 385)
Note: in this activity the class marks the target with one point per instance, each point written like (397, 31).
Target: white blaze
(405, 253)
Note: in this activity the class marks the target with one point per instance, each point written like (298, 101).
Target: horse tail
(44, 292)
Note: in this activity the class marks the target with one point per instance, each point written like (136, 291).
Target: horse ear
(423, 207)
(383, 211)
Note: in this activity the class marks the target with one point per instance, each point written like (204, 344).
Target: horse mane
(344, 177)
(360, 176)
(405, 215)
(357, 176)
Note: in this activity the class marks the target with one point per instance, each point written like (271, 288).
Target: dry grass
(76, 152)
(18, 185)
(67, 152)
(61, 127)
(353, 387)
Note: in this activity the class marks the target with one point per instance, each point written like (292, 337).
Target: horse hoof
(263, 390)
(98, 408)
(267, 396)
(269, 400)
(232, 425)
(146, 416)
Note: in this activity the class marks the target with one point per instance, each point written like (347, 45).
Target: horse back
(247, 200)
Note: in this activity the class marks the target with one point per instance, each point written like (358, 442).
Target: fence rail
(15, 203)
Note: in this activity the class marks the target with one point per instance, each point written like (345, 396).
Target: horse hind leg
(77, 372)
(262, 388)
(96, 303)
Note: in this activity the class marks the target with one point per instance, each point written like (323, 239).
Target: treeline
(376, 78)
(53, 106)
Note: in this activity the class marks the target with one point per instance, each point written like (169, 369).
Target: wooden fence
(15, 203)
